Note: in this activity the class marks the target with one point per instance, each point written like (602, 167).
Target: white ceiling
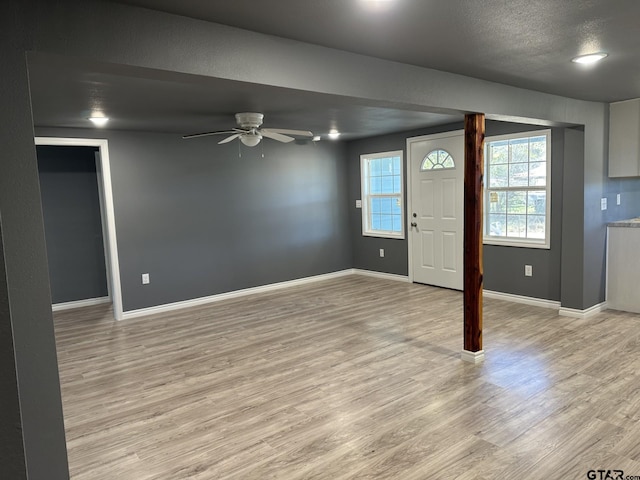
(518, 42)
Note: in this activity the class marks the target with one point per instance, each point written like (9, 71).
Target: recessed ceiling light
(379, 5)
(590, 58)
(99, 121)
(333, 134)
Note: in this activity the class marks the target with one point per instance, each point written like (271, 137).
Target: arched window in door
(437, 159)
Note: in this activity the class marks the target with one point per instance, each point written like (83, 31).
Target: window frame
(517, 241)
(367, 230)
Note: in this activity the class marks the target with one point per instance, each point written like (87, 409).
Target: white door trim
(111, 244)
(409, 164)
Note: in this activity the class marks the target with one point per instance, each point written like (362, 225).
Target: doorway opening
(105, 194)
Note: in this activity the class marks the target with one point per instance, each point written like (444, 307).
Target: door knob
(414, 224)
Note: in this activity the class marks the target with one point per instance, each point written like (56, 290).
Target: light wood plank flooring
(349, 378)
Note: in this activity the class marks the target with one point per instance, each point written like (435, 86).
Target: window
(517, 202)
(437, 159)
(382, 202)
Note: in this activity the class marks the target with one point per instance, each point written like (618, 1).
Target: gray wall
(13, 457)
(572, 268)
(129, 36)
(629, 190)
(72, 222)
(503, 266)
(32, 432)
(201, 221)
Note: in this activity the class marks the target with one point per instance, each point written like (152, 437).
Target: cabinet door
(624, 139)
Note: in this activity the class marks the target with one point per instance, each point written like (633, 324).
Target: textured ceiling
(64, 92)
(517, 42)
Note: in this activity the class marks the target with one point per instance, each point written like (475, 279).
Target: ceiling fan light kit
(250, 133)
(251, 140)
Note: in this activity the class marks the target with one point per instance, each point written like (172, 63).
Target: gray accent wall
(202, 220)
(72, 222)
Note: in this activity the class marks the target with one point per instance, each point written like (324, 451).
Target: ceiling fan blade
(205, 134)
(300, 133)
(276, 136)
(230, 138)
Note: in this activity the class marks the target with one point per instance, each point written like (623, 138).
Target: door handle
(414, 224)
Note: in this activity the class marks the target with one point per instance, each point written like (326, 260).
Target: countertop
(633, 223)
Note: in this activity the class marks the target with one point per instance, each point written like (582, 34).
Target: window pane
(397, 223)
(538, 174)
(498, 202)
(375, 185)
(517, 202)
(518, 175)
(375, 222)
(397, 206)
(397, 184)
(386, 222)
(519, 150)
(427, 164)
(498, 152)
(375, 205)
(535, 226)
(386, 205)
(374, 167)
(387, 166)
(516, 225)
(499, 175)
(538, 149)
(497, 225)
(396, 165)
(387, 184)
(537, 202)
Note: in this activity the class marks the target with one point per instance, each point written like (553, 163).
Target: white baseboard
(56, 307)
(235, 294)
(385, 276)
(576, 313)
(536, 302)
(472, 357)
(301, 281)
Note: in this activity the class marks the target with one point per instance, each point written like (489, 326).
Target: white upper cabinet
(624, 139)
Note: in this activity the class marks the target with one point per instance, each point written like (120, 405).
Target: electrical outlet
(528, 271)
(618, 202)
(382, 252)
(358, 203)
(145, 279)
(603, 204)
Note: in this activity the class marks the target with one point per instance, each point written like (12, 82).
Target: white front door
(436, 214)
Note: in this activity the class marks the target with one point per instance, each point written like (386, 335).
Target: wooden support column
(473, 270)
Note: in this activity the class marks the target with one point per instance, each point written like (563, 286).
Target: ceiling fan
(250, 133)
